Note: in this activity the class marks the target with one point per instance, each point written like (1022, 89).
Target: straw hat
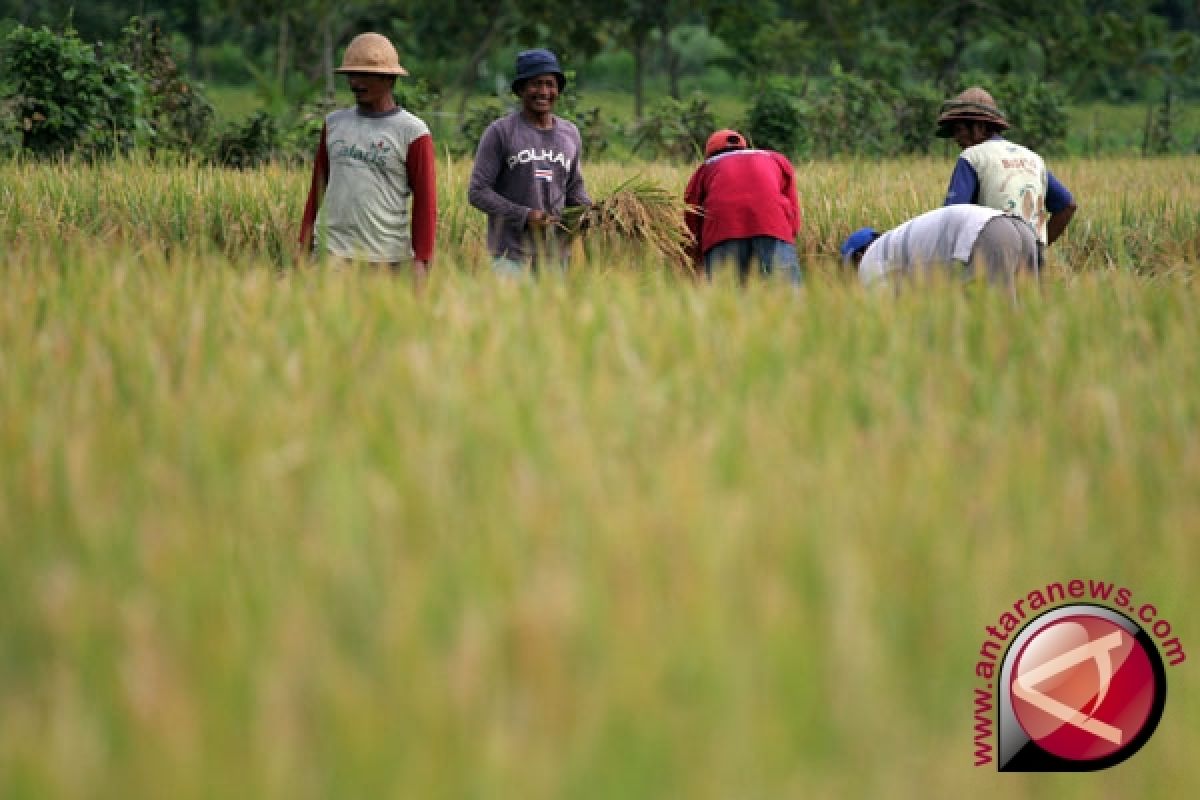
(973, 105)
(372, 53)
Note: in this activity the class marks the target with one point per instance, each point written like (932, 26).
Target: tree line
(1113, 49)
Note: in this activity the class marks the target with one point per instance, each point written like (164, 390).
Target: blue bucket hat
(859, 240)
(531, 63)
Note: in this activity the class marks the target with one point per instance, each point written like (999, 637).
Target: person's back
(745, 193)
(1000, 174)
(1012, 179)
(958, 242)
(743, 206)
(937, 238)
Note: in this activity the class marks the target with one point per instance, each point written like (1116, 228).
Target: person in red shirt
(742, 209)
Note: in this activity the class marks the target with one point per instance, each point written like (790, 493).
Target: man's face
(539, 94)
(369, 88)
(969, 134)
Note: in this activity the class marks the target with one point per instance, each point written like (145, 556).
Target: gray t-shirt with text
(519, 168)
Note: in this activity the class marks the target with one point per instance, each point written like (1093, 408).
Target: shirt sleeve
(576, 194)
(320, 179)
(964, 184)
(789, 188)
(423, 180)
(481, 191)
(1058, 196)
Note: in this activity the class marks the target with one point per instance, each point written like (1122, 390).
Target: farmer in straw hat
(527, 171)
(959, 242)
(995, 172)
(371, 159)
(742, 208)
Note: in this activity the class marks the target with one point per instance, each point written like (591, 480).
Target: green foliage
(851, 114)
(1158, 138)
(781, 48)
(595, 130)
(297, 139)
(1036, 109)
(475, 122)
(416, 95)
(10, 126)
(775, 121)
(248, 144)
(675, 129)
(179, 115)
(70, 96)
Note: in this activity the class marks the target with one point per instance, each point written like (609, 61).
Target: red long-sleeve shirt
(420, 163)
(740, 194)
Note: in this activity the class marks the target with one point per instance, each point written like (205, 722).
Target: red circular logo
(1082, 687)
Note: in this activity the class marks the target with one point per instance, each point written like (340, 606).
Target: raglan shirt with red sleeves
(740, 194)
(364, 175)
(519, 168)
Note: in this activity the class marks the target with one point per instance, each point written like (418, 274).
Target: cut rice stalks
(638, 211)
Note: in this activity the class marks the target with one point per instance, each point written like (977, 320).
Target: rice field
(272, 530)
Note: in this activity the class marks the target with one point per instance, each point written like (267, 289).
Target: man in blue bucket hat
(527, 171)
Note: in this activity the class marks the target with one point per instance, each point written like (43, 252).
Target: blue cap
(531, 63)
(859, 240)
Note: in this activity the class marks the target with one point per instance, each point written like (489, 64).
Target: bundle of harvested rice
(640, 211)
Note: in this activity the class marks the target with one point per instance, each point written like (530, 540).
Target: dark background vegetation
(236, 82)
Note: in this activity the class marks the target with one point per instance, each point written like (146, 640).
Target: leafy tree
(70, 96)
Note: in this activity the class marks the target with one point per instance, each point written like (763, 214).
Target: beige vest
(365, 213)
(1012, 179)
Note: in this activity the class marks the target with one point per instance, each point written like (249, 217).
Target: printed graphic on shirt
(374, 155)
(1032, 206)
(541, 174)
(534, 154)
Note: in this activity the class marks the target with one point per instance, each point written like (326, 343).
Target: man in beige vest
(373, 196)
(1000, 174)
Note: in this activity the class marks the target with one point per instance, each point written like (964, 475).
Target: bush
(70, 96)
(298, 141)
(179, 115)
(417, 96)
(1036, 110)
(675, 130)
(776, 121)
(594, 129)
(476, 120)
(850, 114)
(249, 144)
(857, 115)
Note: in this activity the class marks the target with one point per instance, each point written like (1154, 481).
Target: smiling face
(539, 94)
(372, 92)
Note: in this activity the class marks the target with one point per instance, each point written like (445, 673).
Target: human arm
(1061, 205)
(481, 191)
(316, 189)
(423, 181)
(964, 184)
(693, 214)
(788, 188)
